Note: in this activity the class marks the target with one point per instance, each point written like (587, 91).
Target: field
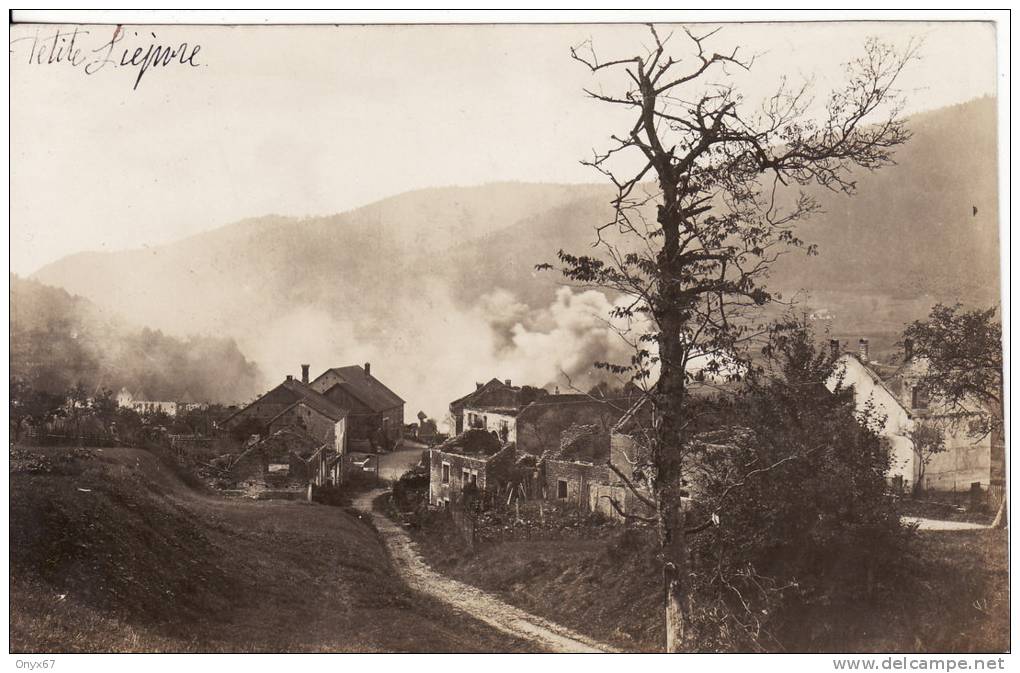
(112, 552)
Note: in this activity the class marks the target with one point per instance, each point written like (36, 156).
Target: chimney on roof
(289, 377)
(863, 350)
(304, 374)
(368, 369)
(834, 348)
(507, 382)
(908, 350)
(478, 386)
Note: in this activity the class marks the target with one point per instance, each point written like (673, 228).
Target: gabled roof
(314, 405)
(365, 387)
(876, 379)
(313, 399)
(481, 388)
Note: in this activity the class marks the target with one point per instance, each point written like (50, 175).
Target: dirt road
(936, 524)
(394, 464)
(481, 605)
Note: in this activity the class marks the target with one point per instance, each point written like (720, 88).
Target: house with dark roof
(375, 414)
(501, 398)
(292, 404)
(346, 407)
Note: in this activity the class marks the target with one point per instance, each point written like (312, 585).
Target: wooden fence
(996, 492)
(41, 438)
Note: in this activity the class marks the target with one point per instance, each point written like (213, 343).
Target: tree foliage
(962, 351)
(31, 407)
(799, 493)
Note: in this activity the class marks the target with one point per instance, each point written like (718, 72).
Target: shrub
(815, 531)
(410, 492)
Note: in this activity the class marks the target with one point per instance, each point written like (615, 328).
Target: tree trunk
(675, 614)
(674, 570)
(671, 317)
(669, 482)
(919, 484)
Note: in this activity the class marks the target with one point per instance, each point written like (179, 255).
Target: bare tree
(716, 173)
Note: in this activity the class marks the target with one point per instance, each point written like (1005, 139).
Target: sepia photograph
(619, 332)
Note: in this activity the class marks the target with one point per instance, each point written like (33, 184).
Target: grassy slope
(612, 597)
(139, 562)
(951, 596)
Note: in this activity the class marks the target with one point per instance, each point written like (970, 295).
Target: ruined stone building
(473, 459)
(540, 424)
(578, 469)
(550, 445)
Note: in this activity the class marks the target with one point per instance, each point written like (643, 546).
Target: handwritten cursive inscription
(76, 48)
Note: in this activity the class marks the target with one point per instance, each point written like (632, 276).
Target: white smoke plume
(431, 351)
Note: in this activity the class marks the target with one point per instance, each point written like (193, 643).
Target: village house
(375, 413)
(126, 400)
(494, 395)
(293, 403)
(869, 389)
(473, 459)
(577, 471)
(554, 446)
(501, 421)
(969, 462)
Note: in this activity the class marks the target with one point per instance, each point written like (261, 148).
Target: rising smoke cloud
(431, 350)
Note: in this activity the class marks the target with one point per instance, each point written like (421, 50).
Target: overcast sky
(318, 120)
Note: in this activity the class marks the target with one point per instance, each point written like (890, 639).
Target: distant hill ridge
(922, 231)
(59, 340)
